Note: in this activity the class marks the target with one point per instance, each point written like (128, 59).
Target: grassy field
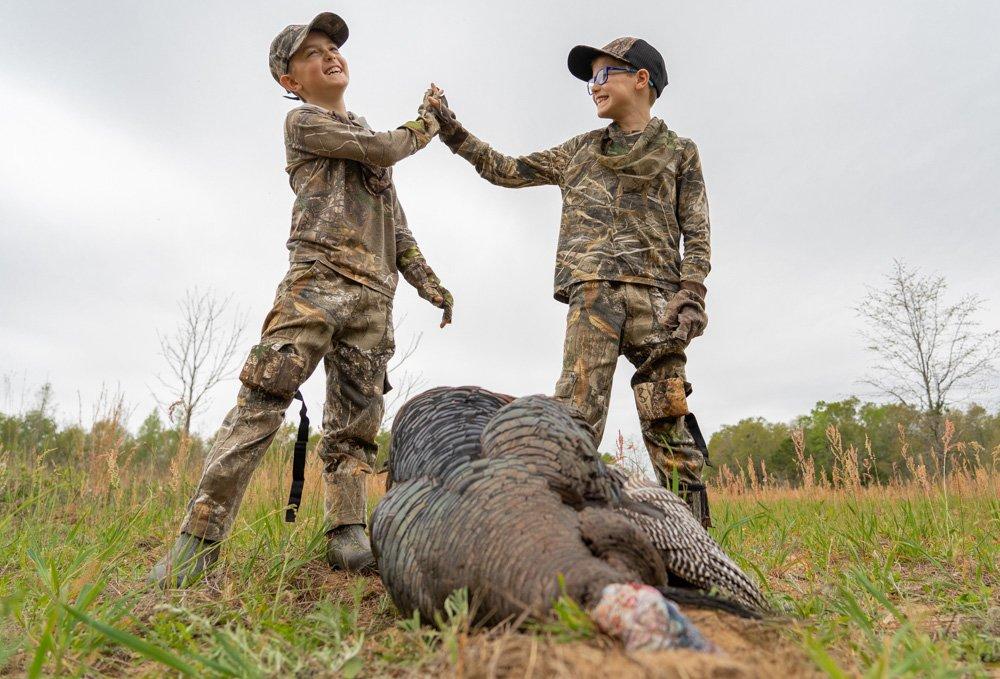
(874, 581)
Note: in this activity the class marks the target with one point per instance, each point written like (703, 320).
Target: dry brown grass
(965, 467)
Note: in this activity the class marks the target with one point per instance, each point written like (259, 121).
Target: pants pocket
(663, 399)
(278, 373)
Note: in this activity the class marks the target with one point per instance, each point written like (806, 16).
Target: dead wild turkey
(510, 499)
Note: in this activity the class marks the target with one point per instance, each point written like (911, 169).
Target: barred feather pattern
(688, 551)
(440, 429)
(507, 496)
(542, 433)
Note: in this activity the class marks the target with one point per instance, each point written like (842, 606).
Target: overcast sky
(141, 154)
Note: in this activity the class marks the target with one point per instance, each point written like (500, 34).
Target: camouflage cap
(633, 51)
(291, 38)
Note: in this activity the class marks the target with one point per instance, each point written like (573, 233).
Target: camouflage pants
(607, 319)
(317, 314)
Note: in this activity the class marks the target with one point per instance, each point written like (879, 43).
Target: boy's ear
(642, 79)
(290, 84)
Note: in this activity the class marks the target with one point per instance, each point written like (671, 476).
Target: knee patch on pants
(278, 373)
(658, 400)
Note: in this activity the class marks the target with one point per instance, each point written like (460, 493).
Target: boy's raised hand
(451, 130)
(427, 114)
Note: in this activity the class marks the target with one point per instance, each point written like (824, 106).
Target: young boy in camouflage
(632, 194)
(349, 238)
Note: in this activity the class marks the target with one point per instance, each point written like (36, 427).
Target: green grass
(896, 583)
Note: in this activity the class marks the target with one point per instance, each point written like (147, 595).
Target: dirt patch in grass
(747, 649)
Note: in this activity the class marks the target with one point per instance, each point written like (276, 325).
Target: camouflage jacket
(626, 211)
(346, 213)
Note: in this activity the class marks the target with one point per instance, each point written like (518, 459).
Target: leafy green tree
(757, 439)
(842, 416)
(155, 443)
(36, 430)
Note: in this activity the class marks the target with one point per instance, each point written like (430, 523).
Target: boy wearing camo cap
(632, 194)
(349, 238)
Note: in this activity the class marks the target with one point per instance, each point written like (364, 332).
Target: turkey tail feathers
(702, 599)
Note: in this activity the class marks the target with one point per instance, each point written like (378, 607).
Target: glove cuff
(695, 287)
(419, 130)
(418, 273)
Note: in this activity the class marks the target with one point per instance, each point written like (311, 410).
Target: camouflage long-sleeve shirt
(627, 208)
(346, 213)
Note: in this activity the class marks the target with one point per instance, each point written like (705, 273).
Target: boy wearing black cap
(633, 193)
(349, 240)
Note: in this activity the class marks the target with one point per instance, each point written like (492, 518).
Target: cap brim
(581, 59)
(324, 22)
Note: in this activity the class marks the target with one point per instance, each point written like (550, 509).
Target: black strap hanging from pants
(691, 422)
(298, 462)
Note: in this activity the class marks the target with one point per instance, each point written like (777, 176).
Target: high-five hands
(452, 132)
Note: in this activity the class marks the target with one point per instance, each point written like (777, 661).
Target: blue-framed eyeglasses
(601, 76)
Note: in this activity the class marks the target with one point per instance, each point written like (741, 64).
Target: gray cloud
(141, 153)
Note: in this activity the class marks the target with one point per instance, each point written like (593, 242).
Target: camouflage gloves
(427, 113)
(426, 125)
(421, 276)
(451, 131)
(686, 311)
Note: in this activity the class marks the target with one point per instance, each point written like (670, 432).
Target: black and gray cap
(291, 38)
(633, 51)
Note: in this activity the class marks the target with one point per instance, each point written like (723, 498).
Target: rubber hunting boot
(348, 549)
(186, 561)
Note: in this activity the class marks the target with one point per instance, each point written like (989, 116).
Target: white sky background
(141, 154)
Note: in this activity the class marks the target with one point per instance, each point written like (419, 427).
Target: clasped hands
(444, 118)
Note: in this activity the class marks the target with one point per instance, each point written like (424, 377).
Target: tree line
(38, 433)
(880, 432)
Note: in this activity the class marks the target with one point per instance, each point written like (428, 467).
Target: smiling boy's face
(317, 71)
(622, 92)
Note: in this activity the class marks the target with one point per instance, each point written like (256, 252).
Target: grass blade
(140, 646)
(823, 659)
(44, 646)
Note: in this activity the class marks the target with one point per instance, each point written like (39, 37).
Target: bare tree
(199, 354)
(930, 353)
